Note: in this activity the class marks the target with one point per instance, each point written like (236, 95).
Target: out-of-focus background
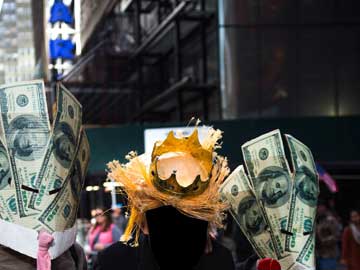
(244, 66)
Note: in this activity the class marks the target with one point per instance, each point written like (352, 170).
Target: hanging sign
(63, 34)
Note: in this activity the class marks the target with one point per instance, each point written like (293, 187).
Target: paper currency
(304, 196)
(5, 170)
(25, 124)
(306, 257)
(30, 221)
(78, 180)
(8, 206)
(24, 140)
(246, 212)
(61, 212)
(61, 150)
(270, 176)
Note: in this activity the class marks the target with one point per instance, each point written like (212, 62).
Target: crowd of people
(337, 247)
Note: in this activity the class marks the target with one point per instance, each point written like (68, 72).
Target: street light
(92, 188)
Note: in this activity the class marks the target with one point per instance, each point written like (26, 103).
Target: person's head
(116, 211)
(322, 209)
(145, 182)
(175, 237)
(355, 217)
(103, 218)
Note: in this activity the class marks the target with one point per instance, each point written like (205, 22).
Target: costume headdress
(181, 172)
(42, 168)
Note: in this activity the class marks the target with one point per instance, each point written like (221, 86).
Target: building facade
(17, 58)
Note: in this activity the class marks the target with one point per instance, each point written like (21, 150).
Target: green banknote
(306, 257)
(26, 129)
(270, 177)
(61, 212)
(78, 178)
(30, 221)
(304, 195)
(247, 213)
(8, 204)
(61, 150)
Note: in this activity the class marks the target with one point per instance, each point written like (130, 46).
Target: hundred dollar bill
(246, 212)
(61, 213)
(26, 128)
(5, 168)
(8, 205)
(30, 221)
(306, 258)
(78, 177)
(2, 133)
(304, 196)
(61, 150)
(270, 176)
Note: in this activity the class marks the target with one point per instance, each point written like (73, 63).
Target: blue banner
(60, 48)
(60, 13)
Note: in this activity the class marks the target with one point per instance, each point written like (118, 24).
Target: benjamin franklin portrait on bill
(250, 216)
(64, 144)
(306, 185)
(28, 137)
(5, 173)
(273, 186)
(75, 181)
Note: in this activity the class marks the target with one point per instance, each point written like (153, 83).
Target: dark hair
(108, 219)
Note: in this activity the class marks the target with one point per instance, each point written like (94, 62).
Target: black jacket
(119, 256)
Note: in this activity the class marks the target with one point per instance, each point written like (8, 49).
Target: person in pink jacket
(103, 233)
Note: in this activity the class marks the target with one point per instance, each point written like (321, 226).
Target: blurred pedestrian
(351, 242)
(327, 236)
(118, 217)
(102, 234)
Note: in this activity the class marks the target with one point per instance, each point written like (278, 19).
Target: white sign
(153, 135)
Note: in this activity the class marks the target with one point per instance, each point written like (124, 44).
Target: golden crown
(181, 166)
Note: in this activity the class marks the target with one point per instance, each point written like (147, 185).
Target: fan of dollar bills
(42, 168)
(274, 206)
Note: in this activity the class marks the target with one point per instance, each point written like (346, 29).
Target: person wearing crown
(174, 202)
